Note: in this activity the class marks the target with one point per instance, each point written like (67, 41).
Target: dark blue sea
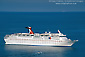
(70, 23)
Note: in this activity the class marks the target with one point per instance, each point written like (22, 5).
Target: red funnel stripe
(30, 31)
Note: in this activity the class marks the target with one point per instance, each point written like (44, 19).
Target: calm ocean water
(70, 23)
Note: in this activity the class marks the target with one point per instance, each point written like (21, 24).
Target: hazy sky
(38, 6)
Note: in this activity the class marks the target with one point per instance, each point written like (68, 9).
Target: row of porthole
(32, 40)
(18, 39)
(58, 41)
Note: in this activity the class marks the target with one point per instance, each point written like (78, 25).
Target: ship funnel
(59, 31)
(30, 31)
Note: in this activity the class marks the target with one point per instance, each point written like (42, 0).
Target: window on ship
(42, 35)
(23, 34)
(62, 36)
(46, 35)
(27, 35)
(32, 35)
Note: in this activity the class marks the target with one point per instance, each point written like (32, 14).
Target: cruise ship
(36, 39)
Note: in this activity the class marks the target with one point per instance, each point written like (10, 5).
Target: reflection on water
(26, 51)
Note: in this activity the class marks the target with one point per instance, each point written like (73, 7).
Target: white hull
(38, 42)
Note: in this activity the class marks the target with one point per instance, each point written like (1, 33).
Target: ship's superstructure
(45, 39)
